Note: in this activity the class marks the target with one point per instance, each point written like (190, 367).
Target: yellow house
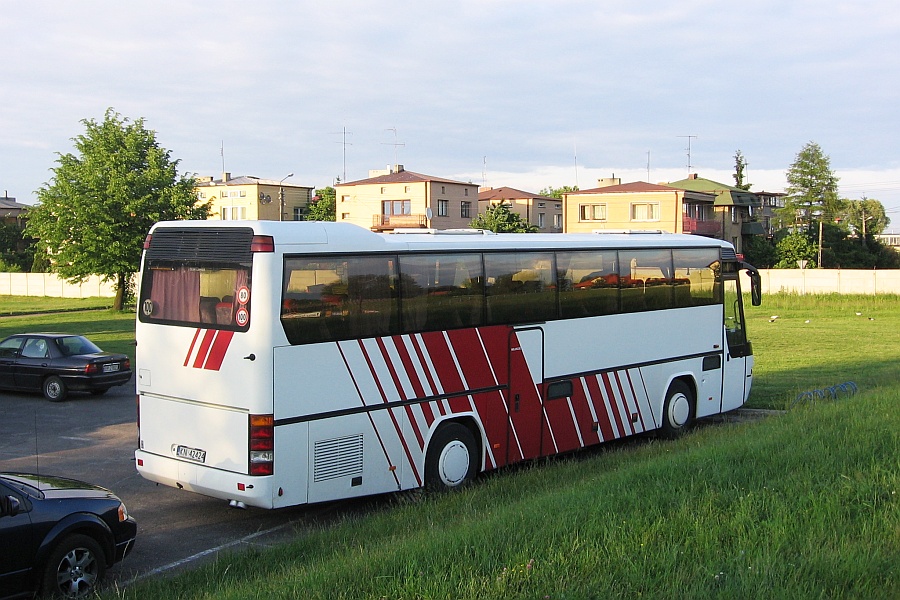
(543, 212)
(248, 197)
(640, 206)
(397, 198)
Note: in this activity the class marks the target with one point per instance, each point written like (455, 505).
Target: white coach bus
(288, 363)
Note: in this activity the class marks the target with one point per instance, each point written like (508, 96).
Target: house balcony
(708, 228)
(385, 222)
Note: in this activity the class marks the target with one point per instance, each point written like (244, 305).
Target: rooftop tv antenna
(344, 143)
(575, 156)
(396, 144)
(690, 167)
(222, 154)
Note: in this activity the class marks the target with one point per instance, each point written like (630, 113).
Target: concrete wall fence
(48, 284)
(797, 281)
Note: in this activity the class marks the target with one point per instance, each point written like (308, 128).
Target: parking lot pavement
(93, 438)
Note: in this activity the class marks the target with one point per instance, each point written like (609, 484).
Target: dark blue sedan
(54, 363)
(58, 536)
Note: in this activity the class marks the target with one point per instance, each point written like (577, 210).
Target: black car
(54, 363)
(58, 536)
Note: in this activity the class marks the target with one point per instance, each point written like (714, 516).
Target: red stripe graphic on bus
(211, 351)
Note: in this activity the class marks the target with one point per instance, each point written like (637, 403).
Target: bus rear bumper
(216, 483)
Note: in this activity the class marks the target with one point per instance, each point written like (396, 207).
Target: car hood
(59, 487)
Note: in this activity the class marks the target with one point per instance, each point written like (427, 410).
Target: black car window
(76, 344)
(9, 348)
(35, 348)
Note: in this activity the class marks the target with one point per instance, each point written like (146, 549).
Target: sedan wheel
(74, 568)
(54, 389)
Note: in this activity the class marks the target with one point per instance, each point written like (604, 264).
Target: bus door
(738, 353)
(526, 375)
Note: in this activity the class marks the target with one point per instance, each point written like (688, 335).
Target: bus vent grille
(214, 244)
(338, 457)
(728, 254)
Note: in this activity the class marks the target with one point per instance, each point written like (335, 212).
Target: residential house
(543, 212)
(247, 197)
(395, 198)
(640, 206)
(771, 202)
(12, 212)
(738, 210)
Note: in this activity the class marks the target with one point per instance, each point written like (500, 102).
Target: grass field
(802, 505)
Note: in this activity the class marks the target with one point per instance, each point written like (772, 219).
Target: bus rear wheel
(678, 410)
(451, 459)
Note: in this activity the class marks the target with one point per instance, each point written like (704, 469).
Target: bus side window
(521, 287)
(697, 276)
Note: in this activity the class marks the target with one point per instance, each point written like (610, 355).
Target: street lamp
(281, 195)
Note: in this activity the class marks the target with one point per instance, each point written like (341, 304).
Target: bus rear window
(211, 296)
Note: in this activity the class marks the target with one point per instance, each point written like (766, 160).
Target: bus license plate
(194, 454)
(111, 368)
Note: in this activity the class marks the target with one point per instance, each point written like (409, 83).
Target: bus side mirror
(755, 288)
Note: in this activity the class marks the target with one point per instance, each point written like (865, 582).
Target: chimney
(225, 177)
(395, 168)
(609, 181)
(692, 176)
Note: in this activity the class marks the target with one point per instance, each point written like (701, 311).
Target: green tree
(812, 189)
(740, 164)
(865, 217)
(552, 192)
(500, 219)
(16, 253)
(794, 247)
(94, 214)
(322, 206)
(760, 252)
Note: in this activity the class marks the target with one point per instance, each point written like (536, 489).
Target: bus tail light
(262, 243)
(147, 241)
(262, 444)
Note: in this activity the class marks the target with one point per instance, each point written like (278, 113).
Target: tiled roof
(10, 203)
(626, 188)
(726, 195)
(508, 193)
(403, 177)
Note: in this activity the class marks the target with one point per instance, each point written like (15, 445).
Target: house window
(345, 216)
(443, 189)
(406, 189)
(645, 211)
(592, 212)
(345, 198)
(735, 218)
(465, 210)
(298, 213)
(383, 189)
(396, 207)
(467, 191)
(234, 213)
(243, 193)
(540, 205)
(557, 221)
(541, 222)
(443, 208)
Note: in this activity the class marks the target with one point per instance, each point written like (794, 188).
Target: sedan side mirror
(9, 506)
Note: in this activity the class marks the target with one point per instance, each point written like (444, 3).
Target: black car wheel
(54, 389)
(74, 569)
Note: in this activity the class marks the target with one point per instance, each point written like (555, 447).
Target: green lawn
(820, 341)
(111, 330)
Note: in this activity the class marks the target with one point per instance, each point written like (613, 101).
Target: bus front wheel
(451, 459)
(678, 410)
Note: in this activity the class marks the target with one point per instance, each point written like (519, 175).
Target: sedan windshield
(76, 344)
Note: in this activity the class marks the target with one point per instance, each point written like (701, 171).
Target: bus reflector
(262, 243)
(147, 241)
(262, 444)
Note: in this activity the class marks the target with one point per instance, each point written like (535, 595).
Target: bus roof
(350, 237)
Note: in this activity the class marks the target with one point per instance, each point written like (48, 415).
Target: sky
(522, 93)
